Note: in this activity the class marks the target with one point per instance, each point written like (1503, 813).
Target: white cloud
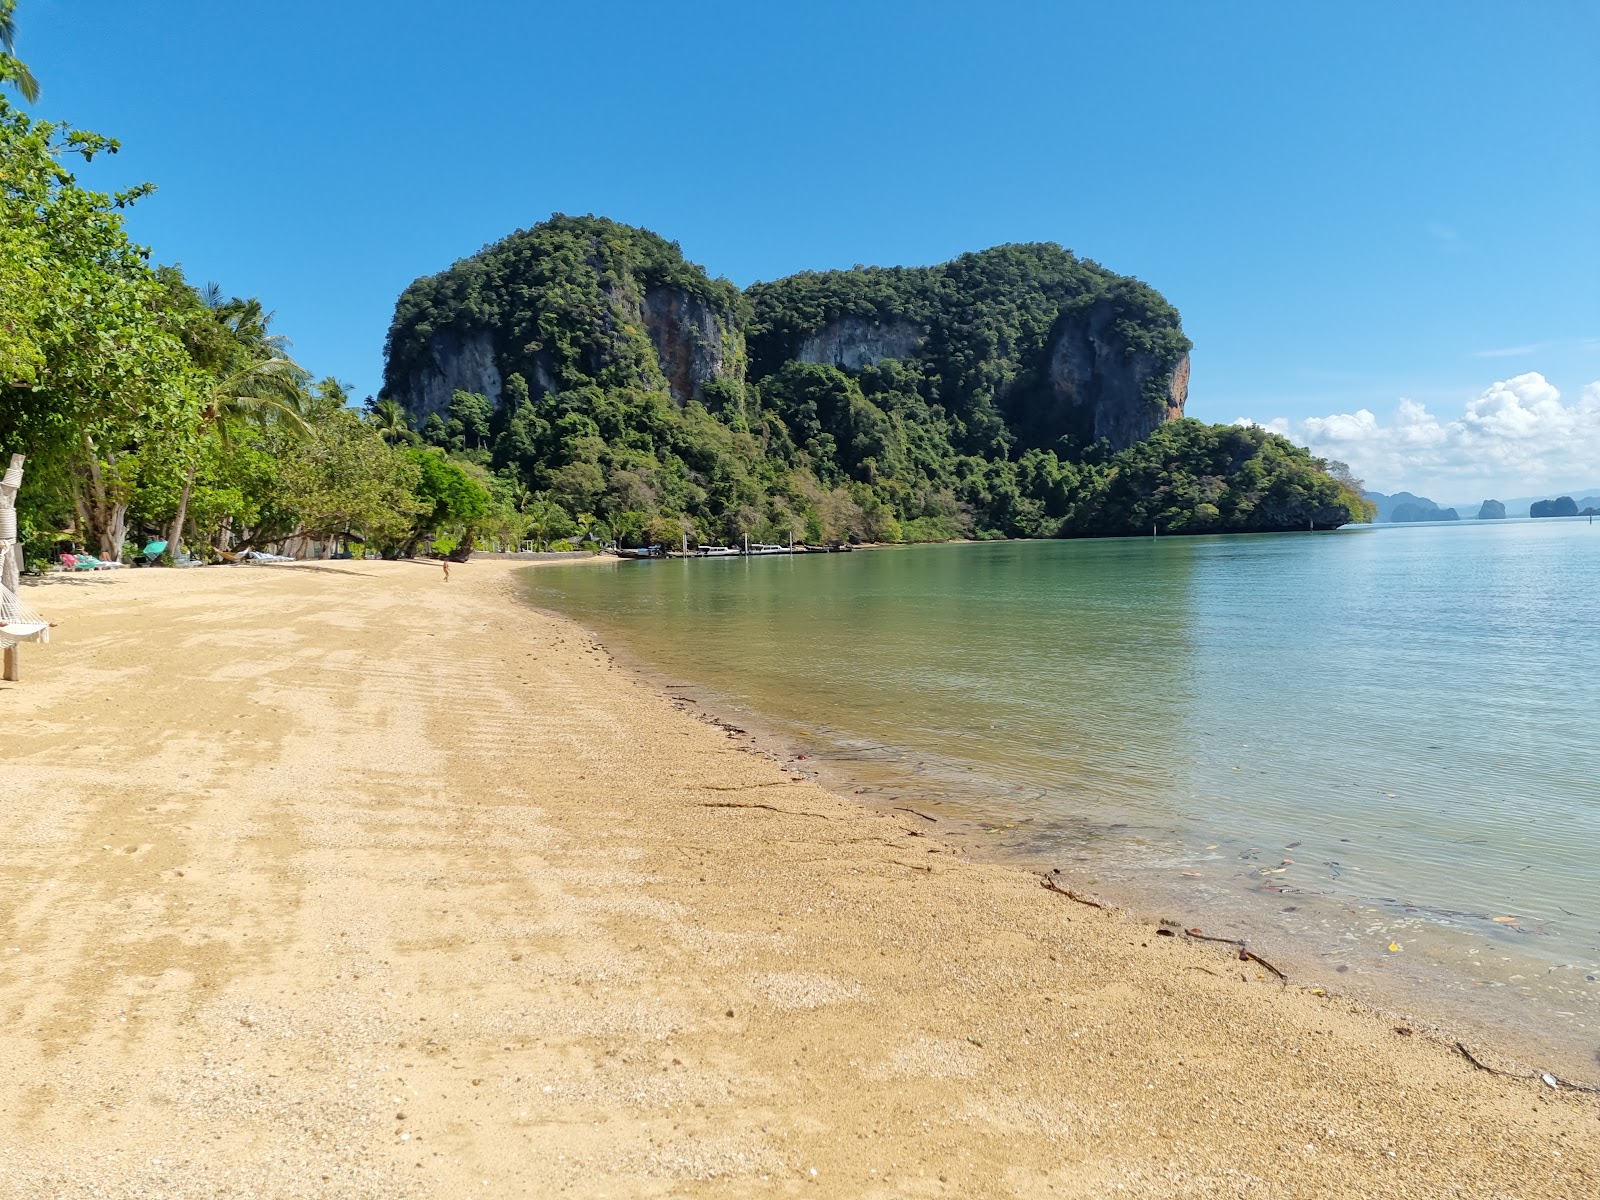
(1444, 237)
(1517, 438)
(1511, 351)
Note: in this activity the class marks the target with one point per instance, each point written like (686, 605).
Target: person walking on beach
(445, 563)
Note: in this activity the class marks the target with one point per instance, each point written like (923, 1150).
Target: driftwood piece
(1251, 956)
(1482, 1066)
(1206, 937)
(1544, 1077)
(788, 812)
(1078, 897)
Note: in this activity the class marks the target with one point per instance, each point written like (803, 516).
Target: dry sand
(339, 881)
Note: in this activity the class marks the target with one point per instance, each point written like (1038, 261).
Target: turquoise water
(1335, 742)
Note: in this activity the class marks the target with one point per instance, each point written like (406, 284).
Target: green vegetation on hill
(557, 298)
(953, 432)
(986, 321)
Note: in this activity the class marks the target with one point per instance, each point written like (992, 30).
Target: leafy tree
(345, 480)
(104, 376)
(451, 498)
(547, 521)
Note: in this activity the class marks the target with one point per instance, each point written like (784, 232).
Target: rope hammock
(19, 622)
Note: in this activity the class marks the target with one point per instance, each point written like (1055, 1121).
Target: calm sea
(1375, 752)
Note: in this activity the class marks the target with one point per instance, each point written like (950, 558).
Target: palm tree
(250, 376)
(389, 419)
(12, 70)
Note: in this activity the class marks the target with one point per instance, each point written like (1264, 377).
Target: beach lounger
(88, 562)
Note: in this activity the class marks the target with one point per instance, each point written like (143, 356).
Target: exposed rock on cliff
(857, 342)
(1100, 387)
(571, 303)
(1020, 346)
(692, 339)
(455, 361)
(1492, 510)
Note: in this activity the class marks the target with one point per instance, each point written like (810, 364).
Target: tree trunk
(116, 532)
(107, 518)
(175, 538)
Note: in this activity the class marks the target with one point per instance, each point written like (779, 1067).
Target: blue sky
(1353, 205)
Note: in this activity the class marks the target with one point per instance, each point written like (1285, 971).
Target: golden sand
(339, 881)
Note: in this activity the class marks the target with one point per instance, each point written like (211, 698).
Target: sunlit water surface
(1330, 743)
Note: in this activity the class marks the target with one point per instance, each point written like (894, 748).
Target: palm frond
(270, 389)
(388, 418)
(16, 73)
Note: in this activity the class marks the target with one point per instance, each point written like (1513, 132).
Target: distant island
(1562, 506)
(1405, 507)
(1522, 506)
(1018, 391)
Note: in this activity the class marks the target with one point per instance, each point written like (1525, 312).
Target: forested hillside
(1018, 391)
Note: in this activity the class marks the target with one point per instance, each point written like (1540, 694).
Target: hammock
(18, 622)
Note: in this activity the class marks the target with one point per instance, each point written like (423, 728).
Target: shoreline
(1424, 990)
(306, 850)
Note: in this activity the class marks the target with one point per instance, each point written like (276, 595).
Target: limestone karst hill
(983, 396)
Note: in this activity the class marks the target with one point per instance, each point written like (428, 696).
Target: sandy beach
(336, 880)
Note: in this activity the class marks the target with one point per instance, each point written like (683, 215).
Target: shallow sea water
(1331, 743)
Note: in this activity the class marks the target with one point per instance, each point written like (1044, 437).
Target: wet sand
(335, 880)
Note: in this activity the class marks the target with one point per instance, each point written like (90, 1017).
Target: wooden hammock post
(10, 559)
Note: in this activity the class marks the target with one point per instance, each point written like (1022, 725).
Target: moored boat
(717, 551)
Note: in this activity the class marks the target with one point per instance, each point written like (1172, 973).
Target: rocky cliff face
(1492, 510)
(1097, 387)
(857, 342)
(456, 361)
(694, 342)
